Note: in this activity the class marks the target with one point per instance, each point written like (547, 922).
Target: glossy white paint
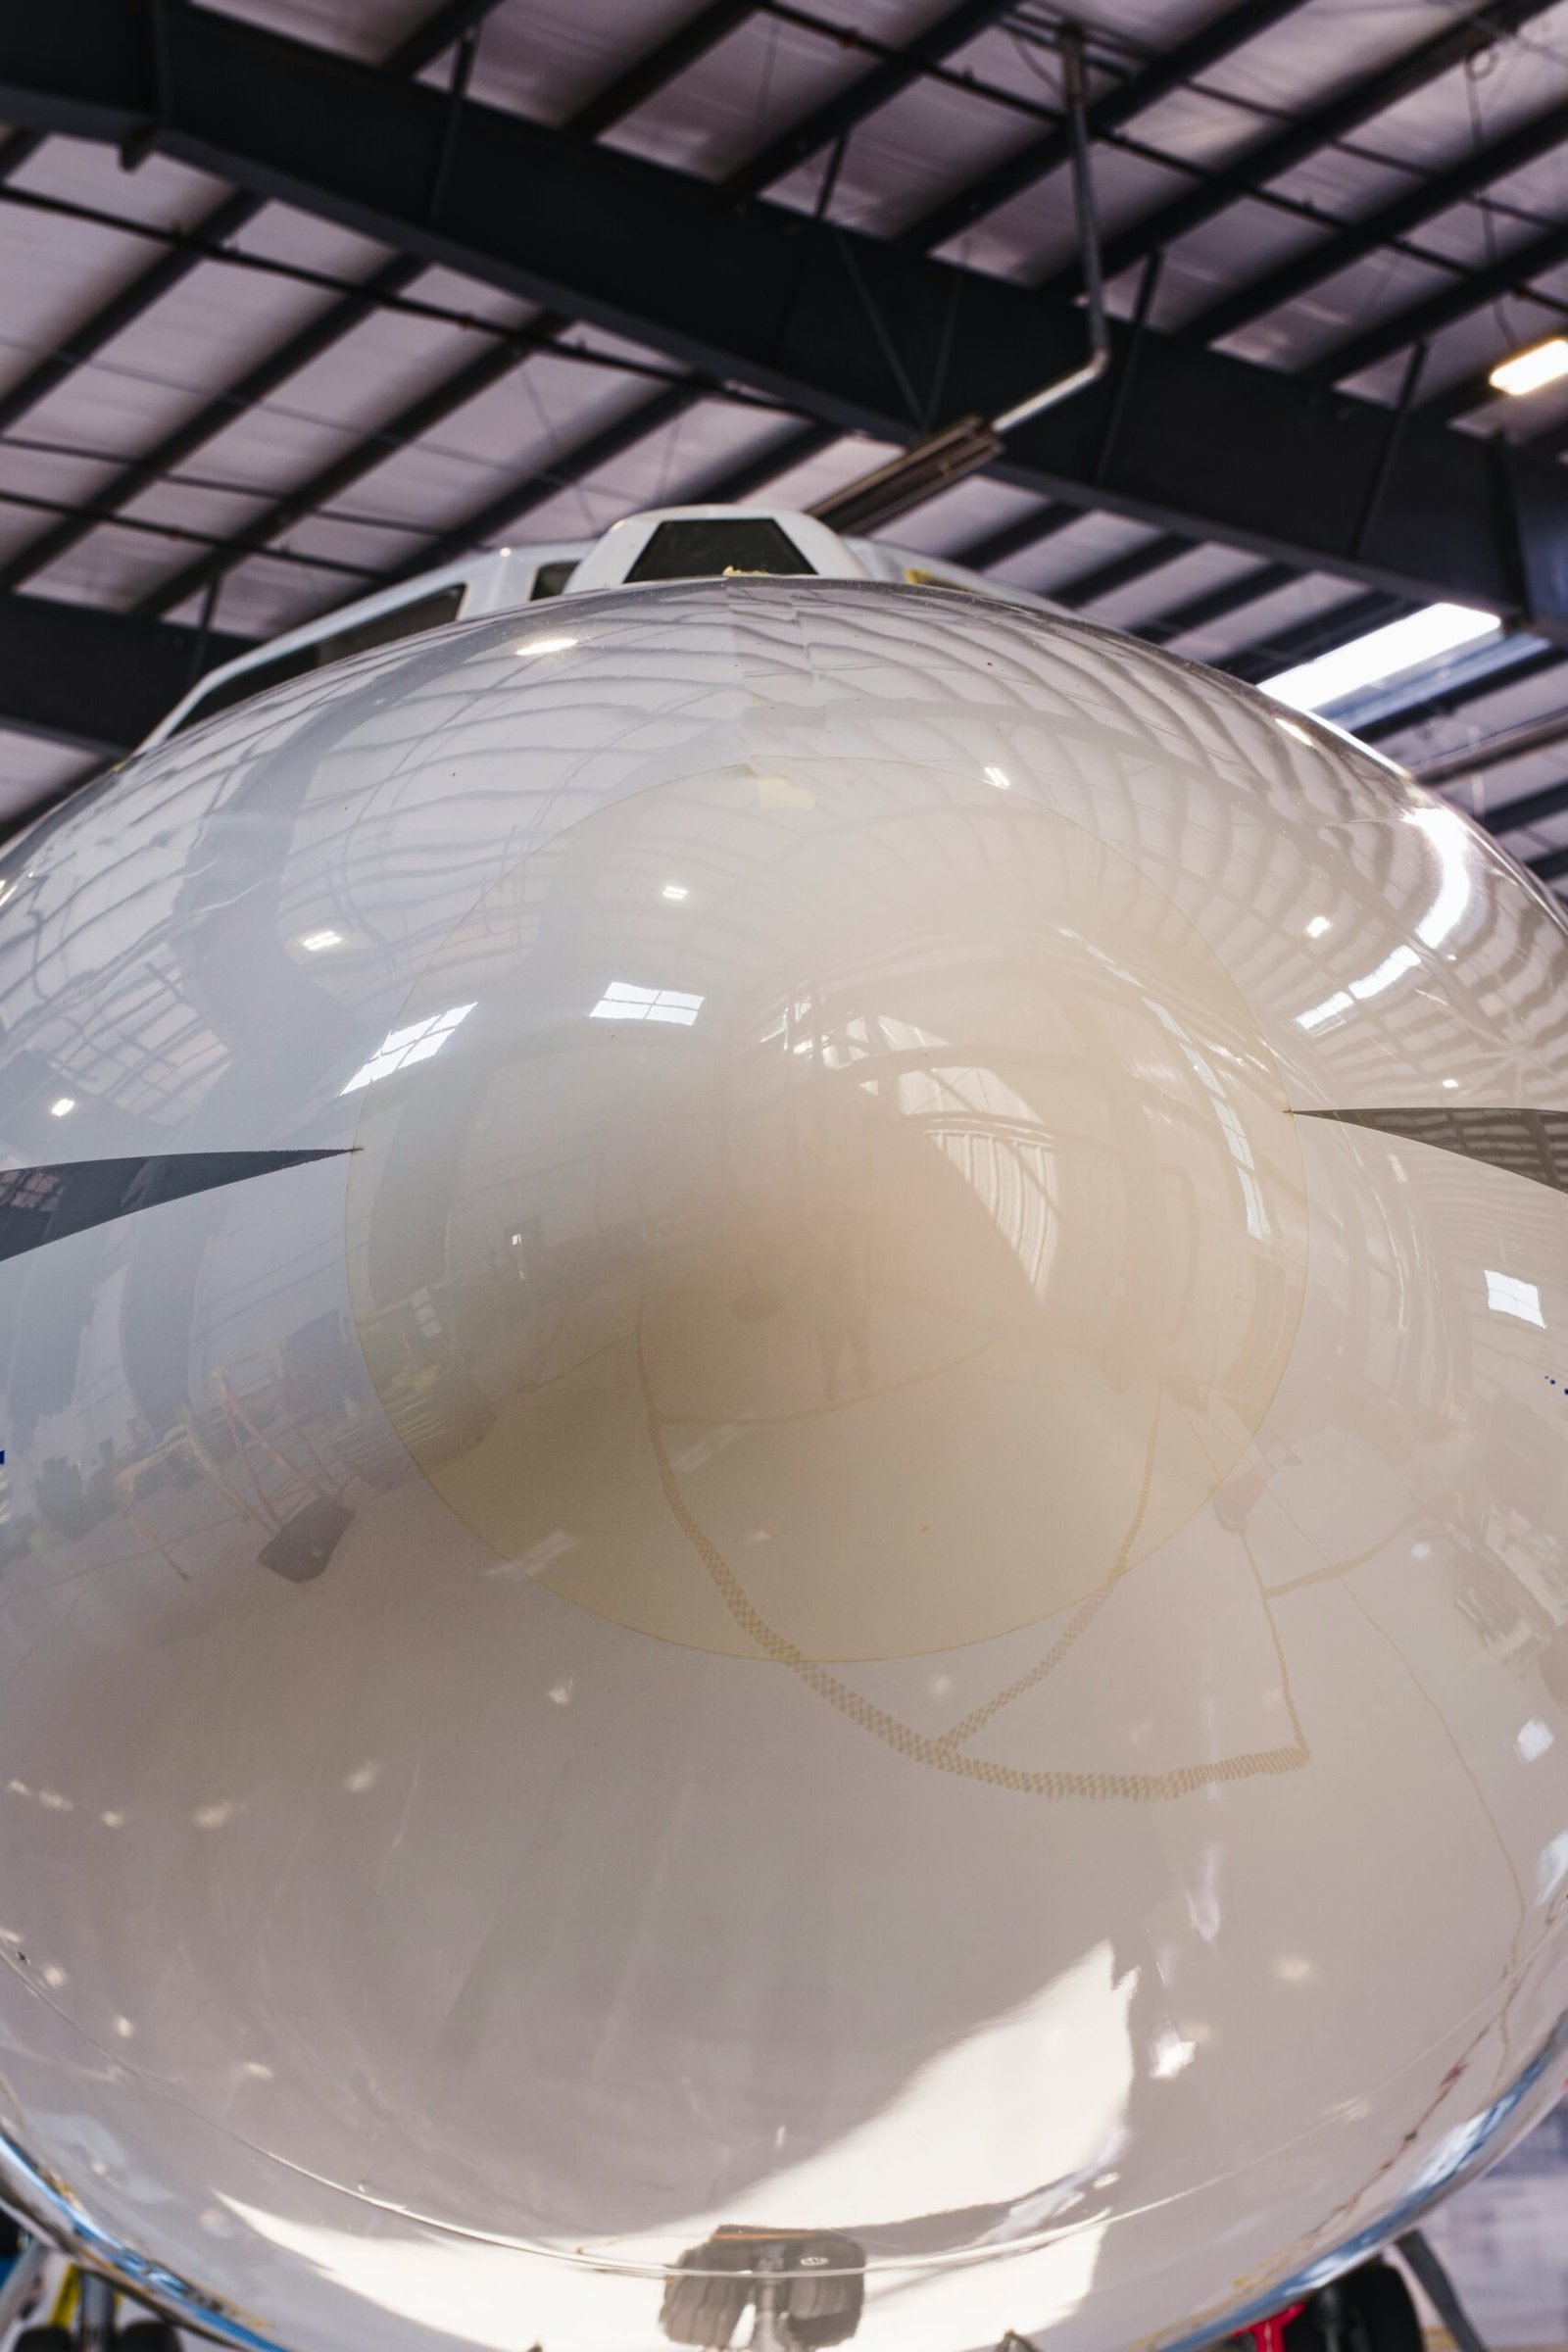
(948, 1610)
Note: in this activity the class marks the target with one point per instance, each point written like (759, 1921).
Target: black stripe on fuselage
(44, 1204)
(1533, 1144)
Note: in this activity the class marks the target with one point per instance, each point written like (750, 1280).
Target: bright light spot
(213, 1817)
(56, 1803)
(1170, 2055)
(1534, 1741)
(404, 1047)
(1506, 1296)
(993, 776)
(561, 1694)
(1552, 1865)
(315, 942)
(54, 1976)
(1402, 960)
(1318, 925)
(1289, 726)
(255, 2071)
(62, 1106)
(123, 2028)
(1527, 371)
(18, 1788)
(1445, 829)
(622, 1001)
(113, 1821)
(674, 890)
(1292, 1969)
(547, 644)
(1382, 654)
(364, 1778)
(1449, 1084)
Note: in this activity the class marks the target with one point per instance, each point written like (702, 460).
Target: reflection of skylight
(315, 942)
(403, 1047)
(1506, 1296)
(1382, 654)
(1402, 960)
(622, 1001)
(62, 1106)
(1445, 829)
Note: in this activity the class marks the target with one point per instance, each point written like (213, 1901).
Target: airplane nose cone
(853, 1214)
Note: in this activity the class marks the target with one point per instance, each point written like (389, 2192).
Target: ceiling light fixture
(1528, 369)
(1382, 654)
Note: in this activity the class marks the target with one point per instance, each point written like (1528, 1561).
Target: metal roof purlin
(606, 443)
(1430, 195)
(1141, 89)
(1283, 149)
(1211, 446)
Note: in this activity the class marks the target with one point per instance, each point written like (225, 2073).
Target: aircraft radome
(784, 1397)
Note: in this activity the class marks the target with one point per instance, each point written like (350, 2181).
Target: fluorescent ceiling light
(1528, 369)
(674, 890)
(1384, 653)
(547, 644)
(402, 1046)
(313, 942)
(995, 775)
(62, 1106)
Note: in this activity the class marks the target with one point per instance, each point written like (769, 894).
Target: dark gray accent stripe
(44, 1204)
(1525, 1143)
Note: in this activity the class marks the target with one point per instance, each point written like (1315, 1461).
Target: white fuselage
(840, 1566)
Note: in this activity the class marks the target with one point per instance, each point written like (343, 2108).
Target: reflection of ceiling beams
(99, 680)
(854, 331)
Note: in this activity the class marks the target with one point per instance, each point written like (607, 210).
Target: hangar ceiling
(300, 297)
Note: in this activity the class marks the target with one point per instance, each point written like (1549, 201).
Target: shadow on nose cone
(858, 1215)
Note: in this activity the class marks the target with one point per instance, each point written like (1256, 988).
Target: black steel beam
(1417, 322)
(1281, 151)
(211, 418)
(872, 89)
(416, 416)
(1121, 572)
(100, 680)
(1529, 808)
(1423, 201)
(598, 448)
(842, 325)
(1441, 704)
(225, 219)
(649, 73)
(1141, 89)
(1014, 538)
(1355, 616)
(1216, 603)
(628, 90)
(832, 120)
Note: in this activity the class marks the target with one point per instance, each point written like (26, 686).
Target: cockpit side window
(381, 629)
